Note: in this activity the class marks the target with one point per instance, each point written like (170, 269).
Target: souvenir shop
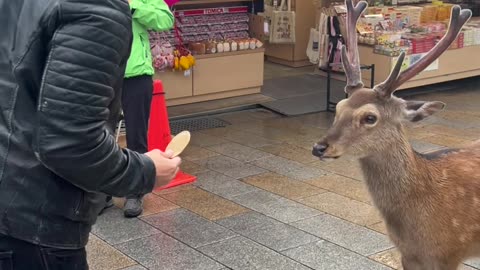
(218, 48)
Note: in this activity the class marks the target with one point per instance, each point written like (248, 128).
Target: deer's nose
(319, 149)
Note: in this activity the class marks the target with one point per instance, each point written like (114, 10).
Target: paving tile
(241, 253)
(379, 227)
(205, 204)
(191, 167)
(267, 132)
(344, 186)
(240, 137)
(390, 258)
(275, 206)
(278, 164)
(114, 228)
(152, 204)
(231, 167)
(258, 199)
(417, 133)
(463, 116)
(268, 232)
(346, 166)
(204, 140)
(246, 222)
(446, 141)
(283, 186)
(325, 255)
(102, 256)
(473, 263)
(423, 147)
(161, 252)
(222, 185)
(189, 228)
(134, 267)
(345, 234)
(196, 153)
(466, 267)
(343, 207)
(239, 152)
(289, 211)
(249, 139)
(291, 152)
(306, 173)
(321, 120)
(449, 131)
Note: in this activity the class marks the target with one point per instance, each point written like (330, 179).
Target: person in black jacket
(62, 64)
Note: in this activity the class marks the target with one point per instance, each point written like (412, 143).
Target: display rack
(452, 65)
(461, 60)
(218, 75)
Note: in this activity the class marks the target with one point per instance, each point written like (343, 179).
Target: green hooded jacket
(146, 15)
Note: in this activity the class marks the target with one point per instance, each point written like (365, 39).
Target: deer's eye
(370, 119)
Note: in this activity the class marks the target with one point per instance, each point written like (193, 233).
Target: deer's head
(369, 120)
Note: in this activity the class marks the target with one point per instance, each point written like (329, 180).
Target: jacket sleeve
(87, 56)
(153, 14)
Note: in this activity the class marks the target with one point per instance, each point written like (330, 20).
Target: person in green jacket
(138, 83)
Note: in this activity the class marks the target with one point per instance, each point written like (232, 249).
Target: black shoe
(108, 204)
(133, 207)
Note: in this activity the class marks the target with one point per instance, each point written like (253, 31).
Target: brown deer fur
(430, 204)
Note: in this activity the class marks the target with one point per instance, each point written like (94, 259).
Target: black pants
(136, 102)
(19, 255)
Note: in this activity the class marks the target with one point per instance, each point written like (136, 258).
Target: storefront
(229, 42)
(390, 27)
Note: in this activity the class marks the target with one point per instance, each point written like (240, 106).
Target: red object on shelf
(170, 3)
(159, 134)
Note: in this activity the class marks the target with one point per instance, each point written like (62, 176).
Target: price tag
(187, 73)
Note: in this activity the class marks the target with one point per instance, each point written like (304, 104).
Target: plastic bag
(312, 46)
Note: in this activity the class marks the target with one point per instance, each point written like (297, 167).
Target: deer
(430, 203)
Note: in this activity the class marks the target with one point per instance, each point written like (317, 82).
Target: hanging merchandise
(323, 40)
(183, 58)
(283, 24)
(162, 51)
(335, 43)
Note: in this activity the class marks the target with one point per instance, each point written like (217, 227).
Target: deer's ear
(419, 110)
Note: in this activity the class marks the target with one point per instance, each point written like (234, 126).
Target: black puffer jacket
(61, 69)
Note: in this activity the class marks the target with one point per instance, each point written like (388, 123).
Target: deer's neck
(396, 173)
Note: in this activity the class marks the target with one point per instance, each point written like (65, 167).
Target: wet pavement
(262, 201)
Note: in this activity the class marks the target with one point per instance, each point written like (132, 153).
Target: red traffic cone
(159, 134)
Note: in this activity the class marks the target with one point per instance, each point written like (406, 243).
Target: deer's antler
(457, 20)
(350, 58)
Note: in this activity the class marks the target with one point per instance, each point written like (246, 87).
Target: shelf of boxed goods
(461, 60)
(452, 65)
(214, 75)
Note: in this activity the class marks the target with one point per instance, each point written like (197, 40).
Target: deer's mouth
(324, 151)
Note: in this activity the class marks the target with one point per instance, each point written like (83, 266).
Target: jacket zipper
(144, 50)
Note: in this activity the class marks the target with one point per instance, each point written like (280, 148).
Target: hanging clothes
(335, 44)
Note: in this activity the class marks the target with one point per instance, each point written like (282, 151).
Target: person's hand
(166, 166)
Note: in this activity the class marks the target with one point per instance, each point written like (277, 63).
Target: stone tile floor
(263, 202)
